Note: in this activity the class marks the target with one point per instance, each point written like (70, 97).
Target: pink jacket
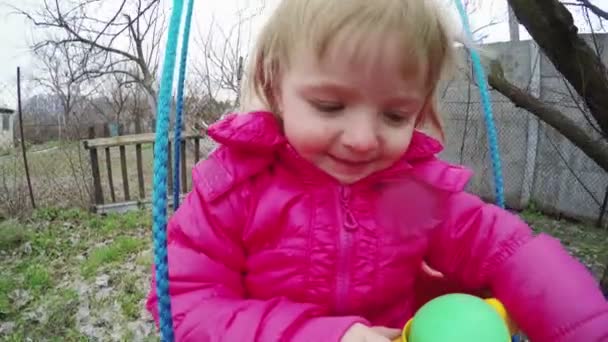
(269, 248)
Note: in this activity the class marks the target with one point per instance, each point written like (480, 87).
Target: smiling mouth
(351, 163)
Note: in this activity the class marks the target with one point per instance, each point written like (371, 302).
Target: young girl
(325, 214)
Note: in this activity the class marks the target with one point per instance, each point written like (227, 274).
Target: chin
(347, 179)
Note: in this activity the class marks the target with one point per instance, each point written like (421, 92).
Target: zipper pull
(350, 222)
(344, 194)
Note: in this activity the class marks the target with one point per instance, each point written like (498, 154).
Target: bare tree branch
(587, 4)
(225, 52)
(61, 74)
(480, 33)
(130, 35)
(596, 149)
(558, 37)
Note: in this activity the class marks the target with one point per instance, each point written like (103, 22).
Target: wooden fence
(138, 198)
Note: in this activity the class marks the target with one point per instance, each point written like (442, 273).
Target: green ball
(458, 318)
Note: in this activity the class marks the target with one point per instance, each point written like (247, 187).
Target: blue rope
(489, 119)
(487, 109)
(180, 106)
(159, 196)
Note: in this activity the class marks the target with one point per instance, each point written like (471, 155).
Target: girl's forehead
(364, 53)
(369, 66)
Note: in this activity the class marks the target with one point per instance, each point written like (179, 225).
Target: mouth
(350, 162)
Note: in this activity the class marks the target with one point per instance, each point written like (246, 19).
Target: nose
(360, 135)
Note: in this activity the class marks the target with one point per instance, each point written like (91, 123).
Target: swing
(159, 196)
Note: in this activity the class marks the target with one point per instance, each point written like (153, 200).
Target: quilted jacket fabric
(269, 248)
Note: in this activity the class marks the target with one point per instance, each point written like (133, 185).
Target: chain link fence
(541, 168)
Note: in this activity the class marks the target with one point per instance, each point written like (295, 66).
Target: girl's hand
(361, 333)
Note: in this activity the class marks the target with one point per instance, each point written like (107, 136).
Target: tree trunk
(551, 25)
(137, 117)
(59, 127)
(151, 97)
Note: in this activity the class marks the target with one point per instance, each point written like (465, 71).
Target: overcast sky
(16, 34)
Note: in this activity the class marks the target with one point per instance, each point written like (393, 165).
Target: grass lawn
(67, 275)
(588, 244)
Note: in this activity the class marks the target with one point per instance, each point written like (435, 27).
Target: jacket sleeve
(549, 294)
(207, 262)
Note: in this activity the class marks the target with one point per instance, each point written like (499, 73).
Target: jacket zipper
(347, 228)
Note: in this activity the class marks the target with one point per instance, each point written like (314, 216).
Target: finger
(387, 332)
(431, 271)
(376, 338)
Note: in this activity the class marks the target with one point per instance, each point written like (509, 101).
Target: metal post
(25, 164)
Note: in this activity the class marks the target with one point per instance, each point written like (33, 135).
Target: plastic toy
(459, 318)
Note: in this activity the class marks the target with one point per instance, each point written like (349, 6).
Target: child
(327, 216)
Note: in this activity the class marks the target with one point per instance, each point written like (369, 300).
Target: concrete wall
(540, 166)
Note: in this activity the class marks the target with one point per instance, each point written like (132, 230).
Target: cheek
(306, 134)
(397, 142)
(305, 130)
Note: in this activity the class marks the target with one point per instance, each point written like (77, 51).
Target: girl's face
(351, 113)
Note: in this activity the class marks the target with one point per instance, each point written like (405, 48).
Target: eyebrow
(345, 90)
(331, 87)
(404, 101)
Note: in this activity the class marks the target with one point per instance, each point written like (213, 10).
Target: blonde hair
(420, 24)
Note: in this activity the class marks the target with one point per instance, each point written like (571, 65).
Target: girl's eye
(395, 118)
(327, 106)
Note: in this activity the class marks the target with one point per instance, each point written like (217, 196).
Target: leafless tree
(61, 75)
(119, 37)
(587, 4)
(578, 62)
(113, 98)
(481, 30)
(138, 112)
(220, 72)
(198, 104)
